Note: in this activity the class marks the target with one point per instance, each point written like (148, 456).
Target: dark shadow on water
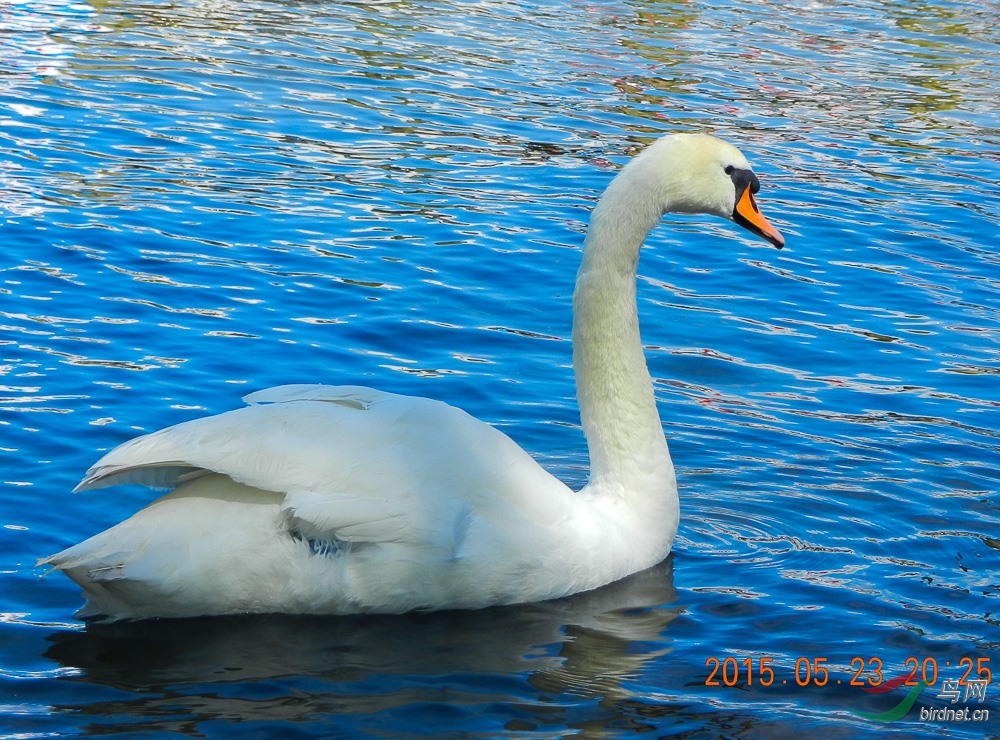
(481, 671)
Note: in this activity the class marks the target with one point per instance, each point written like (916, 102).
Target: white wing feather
(353, 463)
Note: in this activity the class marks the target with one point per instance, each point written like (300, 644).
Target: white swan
(323, 499)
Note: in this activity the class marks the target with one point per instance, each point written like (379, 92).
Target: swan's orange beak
(748, 215)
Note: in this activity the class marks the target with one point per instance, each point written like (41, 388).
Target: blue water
(202, 199)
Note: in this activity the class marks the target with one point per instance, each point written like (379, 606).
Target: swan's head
(697, 173)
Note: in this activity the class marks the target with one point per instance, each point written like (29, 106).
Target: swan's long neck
(628, 452)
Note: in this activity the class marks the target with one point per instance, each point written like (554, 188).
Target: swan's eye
(730, 169)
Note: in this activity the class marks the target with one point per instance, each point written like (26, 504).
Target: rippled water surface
(201, 199)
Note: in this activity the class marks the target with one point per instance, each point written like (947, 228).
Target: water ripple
(200, 199)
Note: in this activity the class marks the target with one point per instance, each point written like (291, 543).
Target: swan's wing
(354, 464)
(172, 456)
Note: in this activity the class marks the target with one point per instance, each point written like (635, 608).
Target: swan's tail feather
(212, 546)
(98, 583)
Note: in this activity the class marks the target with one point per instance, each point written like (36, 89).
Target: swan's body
(321, 499)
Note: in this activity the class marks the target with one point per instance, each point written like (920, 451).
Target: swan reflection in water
(520, 660)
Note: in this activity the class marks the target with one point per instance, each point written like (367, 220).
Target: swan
(343, 499)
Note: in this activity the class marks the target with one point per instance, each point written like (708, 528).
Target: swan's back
(327, 499)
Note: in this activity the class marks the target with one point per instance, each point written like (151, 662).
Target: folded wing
(353, 464)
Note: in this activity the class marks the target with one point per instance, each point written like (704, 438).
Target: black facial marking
(742, 179)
